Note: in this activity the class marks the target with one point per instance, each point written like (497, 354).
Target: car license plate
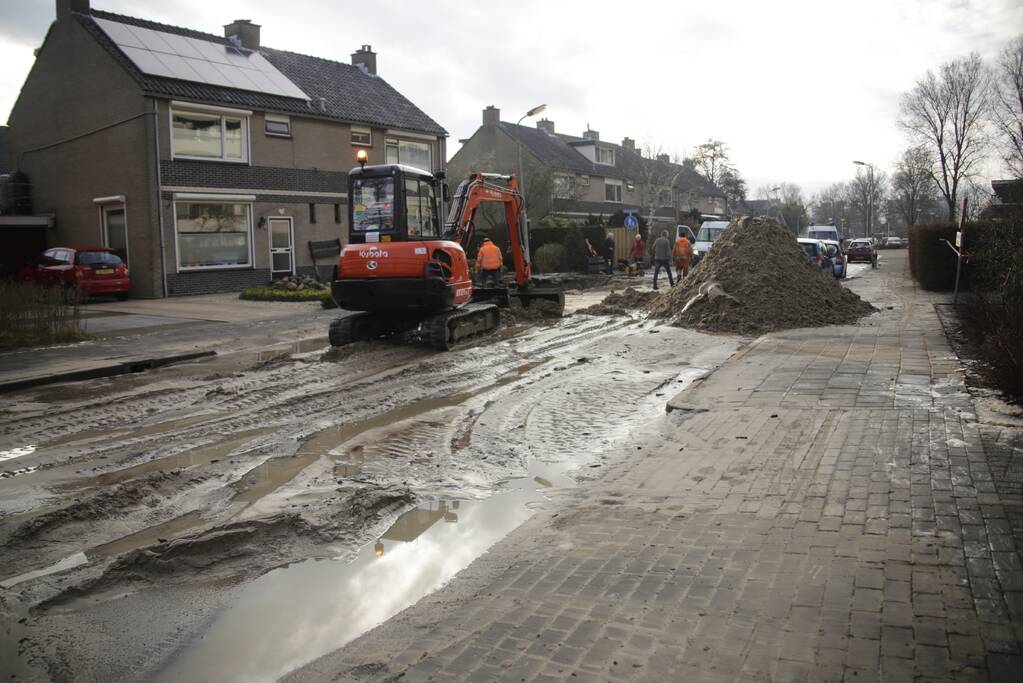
(104, 271)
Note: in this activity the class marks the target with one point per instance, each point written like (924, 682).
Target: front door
(115, 231)
(282, 259)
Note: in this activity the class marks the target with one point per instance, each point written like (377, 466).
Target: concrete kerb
(680, 402)
(124, 367)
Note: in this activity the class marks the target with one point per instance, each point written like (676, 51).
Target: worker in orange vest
(682, 254)
(488, 262)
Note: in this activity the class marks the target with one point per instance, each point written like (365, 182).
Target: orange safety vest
(489, 257)
(683, 249)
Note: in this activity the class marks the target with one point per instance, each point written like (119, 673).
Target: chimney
(547, 125)
(365, 59)
(66, 7)
(244, 33)
(664, 157)
(491, 115)
(629, 144)
(591, 134)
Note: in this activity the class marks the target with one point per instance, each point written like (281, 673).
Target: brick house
(578, 177)
(209, 161)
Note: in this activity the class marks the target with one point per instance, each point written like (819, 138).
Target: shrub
(550, 258)
(931, 263)
(272, 294)
(33, 315)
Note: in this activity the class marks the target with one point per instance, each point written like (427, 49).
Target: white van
(823, 232)
(709, 231)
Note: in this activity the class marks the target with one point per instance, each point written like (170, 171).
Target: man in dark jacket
(609, 253)
(662, 257)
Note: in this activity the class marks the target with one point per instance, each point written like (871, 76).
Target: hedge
(931, 263)
(272, 294)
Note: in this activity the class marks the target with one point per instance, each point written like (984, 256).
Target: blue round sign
(631, 222)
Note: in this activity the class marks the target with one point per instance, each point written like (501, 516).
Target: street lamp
(522, 184)
(870, 195)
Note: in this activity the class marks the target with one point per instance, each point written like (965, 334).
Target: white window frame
(185, 108)
(608, 150)
(197, 198)
(396, 142)
(277, 118)
(584, 180)
(362, 130)
(566, 190)
(616, 184)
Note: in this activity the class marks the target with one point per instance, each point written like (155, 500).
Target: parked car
(817, 252)
(895, 242)
(838, 258)
(862, 249)
(87, 270)
(709, 231)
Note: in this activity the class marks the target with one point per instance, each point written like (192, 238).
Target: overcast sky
(796, 89)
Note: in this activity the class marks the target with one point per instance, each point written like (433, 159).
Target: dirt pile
(621, 303)
(757, 279)
(537, 311)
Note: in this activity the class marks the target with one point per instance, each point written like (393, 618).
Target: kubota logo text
(372, 253)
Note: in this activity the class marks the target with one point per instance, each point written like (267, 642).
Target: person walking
(662, 257)
(609, 253)
(489, 262)
(682, 253)
(638, 251)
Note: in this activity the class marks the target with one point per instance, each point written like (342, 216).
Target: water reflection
(292, 615)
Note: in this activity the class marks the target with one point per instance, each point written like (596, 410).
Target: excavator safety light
(362, 157)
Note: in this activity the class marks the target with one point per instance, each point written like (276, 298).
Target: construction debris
(757, 279)
(622, 303)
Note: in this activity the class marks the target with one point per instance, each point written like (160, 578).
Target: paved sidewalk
(137, 332)
(824, 507)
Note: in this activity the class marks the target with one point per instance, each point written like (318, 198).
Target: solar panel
(201, 61)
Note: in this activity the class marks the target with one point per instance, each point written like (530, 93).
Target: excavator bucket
(492, 295)
(545, 296)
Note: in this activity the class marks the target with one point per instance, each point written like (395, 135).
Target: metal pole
(959, 251)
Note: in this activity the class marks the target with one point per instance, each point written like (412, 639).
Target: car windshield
(708, 234)
(809, 248)
(97, 259)
(373, 204)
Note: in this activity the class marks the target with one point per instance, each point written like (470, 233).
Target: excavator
(403, 270)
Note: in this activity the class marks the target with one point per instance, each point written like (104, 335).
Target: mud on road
(133, 509)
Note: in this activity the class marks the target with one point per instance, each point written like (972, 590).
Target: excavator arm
(481, 188)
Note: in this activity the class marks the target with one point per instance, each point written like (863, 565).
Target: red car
(862, 250)
(89, 270)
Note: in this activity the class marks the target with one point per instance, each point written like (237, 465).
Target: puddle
(204, 455)
(277, 472)
(71, 562)
(148, 430)
(146, 537)
(295, 614)
(13, 453)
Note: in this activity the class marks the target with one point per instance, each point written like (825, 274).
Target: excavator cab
(392, 203)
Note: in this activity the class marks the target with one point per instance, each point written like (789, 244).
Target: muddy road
(144, 516)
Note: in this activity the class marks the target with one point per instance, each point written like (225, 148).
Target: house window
(584, 180)
(664, 197)
(202, 135)
(416, 154)
(274, 124)
(337, 214)
(213, 235)
(613, 191)
(362, 136)
(312, 213)
(606, 155)
(562, 186)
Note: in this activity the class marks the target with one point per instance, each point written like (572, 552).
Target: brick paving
(824, 507)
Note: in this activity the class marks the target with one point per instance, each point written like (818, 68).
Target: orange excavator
(403, 270)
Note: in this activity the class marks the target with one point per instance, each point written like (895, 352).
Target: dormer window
(606, 156)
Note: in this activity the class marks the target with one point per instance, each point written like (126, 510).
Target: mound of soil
(621, 303)
(757, 279)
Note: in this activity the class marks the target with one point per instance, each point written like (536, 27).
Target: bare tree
(945, 112)
(829, 204)
(657, 176)
(866, 193)
(1007, 110)
(712, 162)
(912, 185)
